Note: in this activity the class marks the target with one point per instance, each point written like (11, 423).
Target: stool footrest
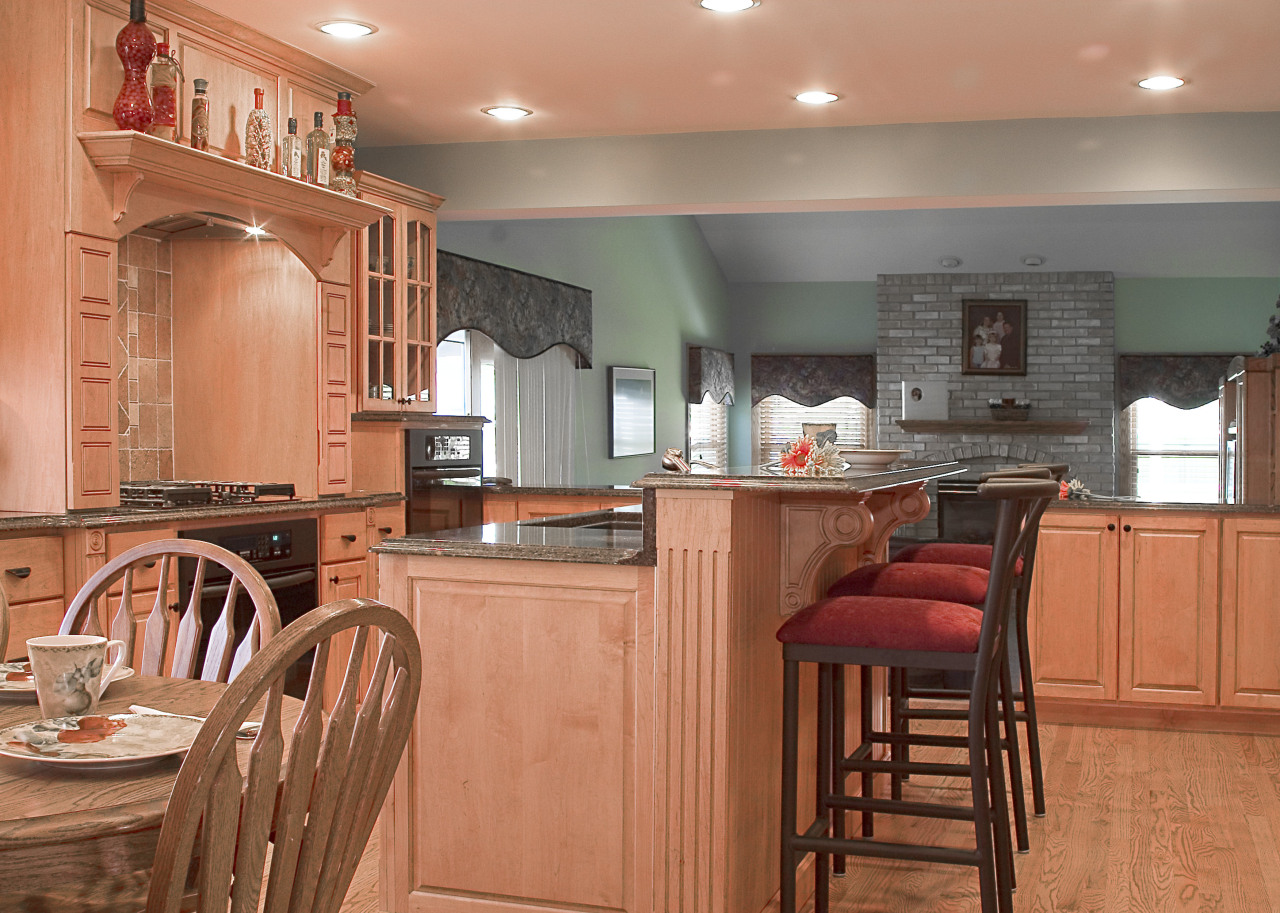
(937, 694)
(898, 807)
(923, 768)
(877, 850)
(930, 739)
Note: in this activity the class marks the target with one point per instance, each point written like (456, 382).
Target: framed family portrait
(630, 411)
(995, 337)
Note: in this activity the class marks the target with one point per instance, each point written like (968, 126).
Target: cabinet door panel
(32, 619)
(334, 385)
(1250, 623)
(498, 509)
(94, 470)
(1168, 609)
(347, 580)
(31, 568)
(1072, 625)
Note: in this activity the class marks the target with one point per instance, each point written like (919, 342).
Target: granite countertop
(584, 491)
(761, 479)
(1112, 504)
(568, 538)
(126, 516)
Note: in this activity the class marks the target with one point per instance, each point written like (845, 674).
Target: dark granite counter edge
(845, 483)
(136, 517)
(1114, 505)
(445, 548)
(588, 491)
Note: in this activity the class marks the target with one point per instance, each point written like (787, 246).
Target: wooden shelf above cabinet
(152, 178)
(989, 426)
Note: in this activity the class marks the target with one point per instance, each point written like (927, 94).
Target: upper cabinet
(395, 281)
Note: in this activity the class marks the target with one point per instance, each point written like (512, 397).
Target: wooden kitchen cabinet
(1250, 622)
(506, 508)
(31, 573)
(1124, 607)
(395, 281)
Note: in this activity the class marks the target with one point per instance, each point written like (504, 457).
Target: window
(778, 421)
(531, 405)
(1172, 453)
(709, 432)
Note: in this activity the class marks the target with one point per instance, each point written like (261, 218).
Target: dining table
(65, 826)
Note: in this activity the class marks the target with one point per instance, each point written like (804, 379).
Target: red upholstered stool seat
(947, 582)
(968, 553)
(885, 623)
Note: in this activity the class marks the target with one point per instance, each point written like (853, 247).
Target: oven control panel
(449, 447)
(268, 546)
(442, 448)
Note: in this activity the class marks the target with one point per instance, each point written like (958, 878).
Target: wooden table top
(103, 821)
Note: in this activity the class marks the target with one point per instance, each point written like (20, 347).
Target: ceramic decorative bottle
(342, 163)
(318, 151)
(165, 74)
(200, 115)
(135, 46)
(259, 140)
(292, 155)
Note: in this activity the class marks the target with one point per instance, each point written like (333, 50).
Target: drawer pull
(385, 530)
(1111, 527)
(348, 537)
(334, 579)
(22, 573)
(1128, 528)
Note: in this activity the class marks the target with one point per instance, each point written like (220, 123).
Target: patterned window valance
(523, 313)
(812, 380)
(1184, 381)
(710, 371)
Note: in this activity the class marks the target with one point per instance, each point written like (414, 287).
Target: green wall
(1193, 315)
(655, 288)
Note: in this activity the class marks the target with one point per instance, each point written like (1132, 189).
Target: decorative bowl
(1008, 410)
(871, 460)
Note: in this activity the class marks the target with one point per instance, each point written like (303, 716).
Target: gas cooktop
(161, 494)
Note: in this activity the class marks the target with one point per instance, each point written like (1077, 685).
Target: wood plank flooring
(1138, 822)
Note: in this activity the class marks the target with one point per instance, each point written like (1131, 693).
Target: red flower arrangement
(806, 457)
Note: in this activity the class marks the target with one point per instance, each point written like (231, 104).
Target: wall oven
(443, 468)
(284, 552)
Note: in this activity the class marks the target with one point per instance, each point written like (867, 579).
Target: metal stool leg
(821, 810)
(790, 739)
(838, 752)
(1029, 708)
(868, 779)
(999, 806)
(1015, 757)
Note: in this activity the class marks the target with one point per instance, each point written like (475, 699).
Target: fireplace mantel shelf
(990, 426)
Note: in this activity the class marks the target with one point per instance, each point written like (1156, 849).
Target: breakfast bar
(601, 704)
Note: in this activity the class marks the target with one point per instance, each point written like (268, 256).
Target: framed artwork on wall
(995, 337)
(631, 422)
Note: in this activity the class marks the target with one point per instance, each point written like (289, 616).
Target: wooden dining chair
(4, 624)
(223, 658)
(314, 803)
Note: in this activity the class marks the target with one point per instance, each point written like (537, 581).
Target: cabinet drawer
(386, 521)
(554, 506)
(31, 568)
(32, 619)
(145, 579)
(342, 537)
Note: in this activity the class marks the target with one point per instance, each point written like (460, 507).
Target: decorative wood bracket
(122, 188)
(811, 532)
(892, 509)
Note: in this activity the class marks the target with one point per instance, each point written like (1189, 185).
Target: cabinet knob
(385, 530)
(22, 573)
(1128, 528)
(334, 579)
(1111, 527)
(348, 537)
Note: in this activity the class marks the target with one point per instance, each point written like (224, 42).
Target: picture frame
(631, 411)
(994, 338)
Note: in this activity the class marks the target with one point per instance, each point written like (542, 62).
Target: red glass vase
(136, 47)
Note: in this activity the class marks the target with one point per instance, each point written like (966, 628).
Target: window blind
(779, 421)
(709, 432)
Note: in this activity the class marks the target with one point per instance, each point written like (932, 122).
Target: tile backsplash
(145, 385)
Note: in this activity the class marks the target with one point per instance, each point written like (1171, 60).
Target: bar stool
(1023, 695)
(900, 633)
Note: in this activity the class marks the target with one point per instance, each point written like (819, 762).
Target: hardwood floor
(1138, 822)
(362, 897)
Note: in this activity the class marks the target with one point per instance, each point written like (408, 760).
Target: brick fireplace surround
(1070, 370)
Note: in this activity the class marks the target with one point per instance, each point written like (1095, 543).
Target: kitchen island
(600, 728)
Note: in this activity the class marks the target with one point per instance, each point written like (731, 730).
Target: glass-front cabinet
(396, 273)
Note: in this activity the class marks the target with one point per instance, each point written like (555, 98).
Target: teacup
(69, 671)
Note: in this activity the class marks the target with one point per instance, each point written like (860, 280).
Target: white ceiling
(606, 68)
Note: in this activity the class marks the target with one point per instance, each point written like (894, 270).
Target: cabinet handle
(22, 573)
(1111, 527)
(347, 537)
(1128, 528)
(334, 579)
(385, 530)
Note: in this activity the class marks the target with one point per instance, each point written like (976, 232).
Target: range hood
(153, 179)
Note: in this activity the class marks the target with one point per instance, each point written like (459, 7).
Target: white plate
(27, 690)
(121, 739)
(873, 460)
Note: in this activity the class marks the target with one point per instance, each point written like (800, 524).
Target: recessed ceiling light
(506, 112)
(950, 262)
(727, 6)
(255, 230)
(1161, 83)
(817, 98)
(1033, 260)
(346, 28)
